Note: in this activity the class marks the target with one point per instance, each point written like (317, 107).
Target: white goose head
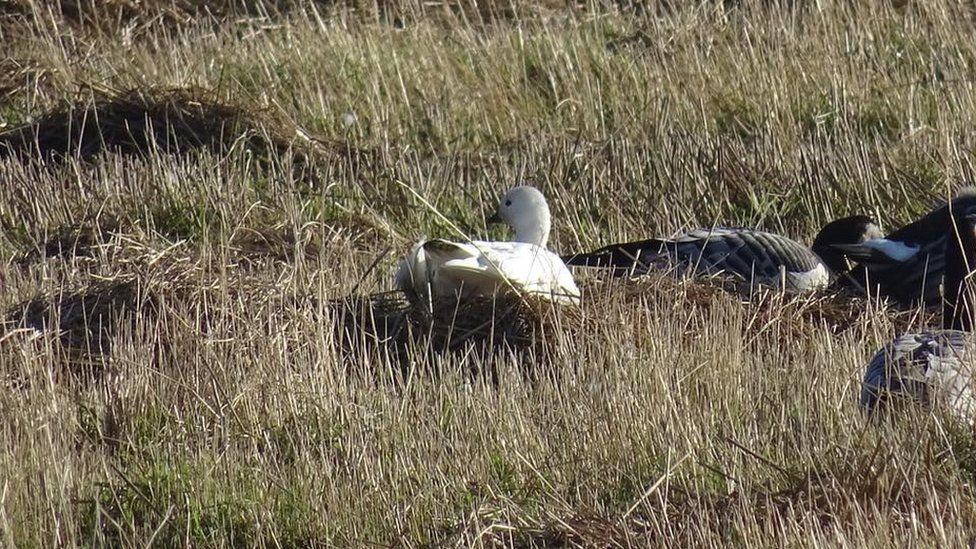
(525, 210)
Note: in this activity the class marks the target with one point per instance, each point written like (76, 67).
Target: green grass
(667, 413)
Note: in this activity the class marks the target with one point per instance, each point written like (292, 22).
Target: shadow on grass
(412, 334)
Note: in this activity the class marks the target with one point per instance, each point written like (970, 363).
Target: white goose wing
(483, 268)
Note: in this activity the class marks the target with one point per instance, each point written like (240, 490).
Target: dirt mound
(113, 15)
(73, 241)
(89, 313)
(86, 318)
(172, 121)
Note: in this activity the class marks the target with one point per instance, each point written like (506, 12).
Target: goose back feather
(927, 367)
(748, 255)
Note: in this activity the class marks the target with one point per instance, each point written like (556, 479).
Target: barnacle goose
(935, 367)
(907, 264)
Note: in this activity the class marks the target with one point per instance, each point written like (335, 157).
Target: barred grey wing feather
(745, 253)
(923, 367)
(749, 255)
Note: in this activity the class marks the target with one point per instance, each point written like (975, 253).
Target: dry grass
(200, 215)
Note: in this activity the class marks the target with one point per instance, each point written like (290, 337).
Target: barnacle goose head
(847, 230)
(525, 210)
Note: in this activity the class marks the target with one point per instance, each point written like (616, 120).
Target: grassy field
(186, 192)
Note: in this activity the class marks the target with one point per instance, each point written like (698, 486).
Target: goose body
(926, 367)
(907, 265)
(935, 367)
(748, 255)
(436, 269)
(445, 269)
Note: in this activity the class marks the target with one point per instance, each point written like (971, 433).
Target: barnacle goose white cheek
(907, 264)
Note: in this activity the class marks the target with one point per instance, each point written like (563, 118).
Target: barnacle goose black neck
(746, 254)
(907, 265)
(854, 229)
(936, 366)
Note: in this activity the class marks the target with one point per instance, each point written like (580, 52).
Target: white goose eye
(508, 202)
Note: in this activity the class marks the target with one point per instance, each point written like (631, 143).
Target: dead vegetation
(18, 75)
(200, 348)
(526, 327)
(114, 16)
(821, 500)
(143, 279)
(79, 240)
(170, 121)
(86, 318)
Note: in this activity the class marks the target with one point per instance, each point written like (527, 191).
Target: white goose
(438, 268)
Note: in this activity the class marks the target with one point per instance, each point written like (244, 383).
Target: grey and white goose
(907, 264)
(935, 367)
(748, 255)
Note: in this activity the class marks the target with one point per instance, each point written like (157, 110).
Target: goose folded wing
(923, 367)
(623, 257)
(748, 253)
(532, 268)
(704, 249)
(516, 265)
(745, 253)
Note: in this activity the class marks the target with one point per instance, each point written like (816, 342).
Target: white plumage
(437, 269)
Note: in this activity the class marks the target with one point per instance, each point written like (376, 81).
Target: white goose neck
(533, 231)
(525, 210)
